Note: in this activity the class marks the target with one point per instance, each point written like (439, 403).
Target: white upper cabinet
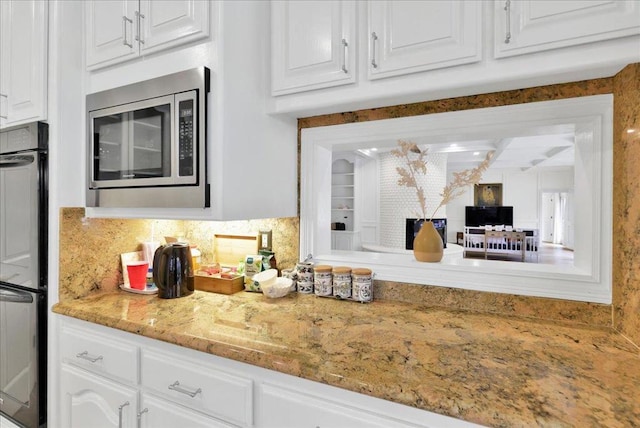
(411, 51)
(526, 26)
(411, 36)
(313, 44)
(109, 32)
(120, 30)
(23, 61)
(168, 23)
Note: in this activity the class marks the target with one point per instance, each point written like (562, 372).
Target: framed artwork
(487, 195)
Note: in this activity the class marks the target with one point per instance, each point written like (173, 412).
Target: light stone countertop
(487, 369)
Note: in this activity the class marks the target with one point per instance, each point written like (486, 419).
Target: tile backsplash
(90, 248)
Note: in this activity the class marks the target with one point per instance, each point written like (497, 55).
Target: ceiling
(522, 152)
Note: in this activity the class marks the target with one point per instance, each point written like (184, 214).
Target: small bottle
(196, 257)
(150, 277)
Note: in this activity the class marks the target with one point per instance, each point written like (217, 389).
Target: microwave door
(132, 144)
(149, 150)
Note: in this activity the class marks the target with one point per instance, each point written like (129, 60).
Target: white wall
(398, 203)
(66, 161)
(520, 189)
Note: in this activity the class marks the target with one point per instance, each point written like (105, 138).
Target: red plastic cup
(137, 274)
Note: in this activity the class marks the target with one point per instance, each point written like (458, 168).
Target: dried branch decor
(417, 165)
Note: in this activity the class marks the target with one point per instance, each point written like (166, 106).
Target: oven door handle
(15, 296)
(14, 161)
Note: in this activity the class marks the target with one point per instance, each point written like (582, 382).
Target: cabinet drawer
(198, 386)
(100, 354)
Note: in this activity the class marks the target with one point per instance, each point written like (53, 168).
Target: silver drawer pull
(176, 387)
(142, 412)
(120, 407)
(124, 31)
(507, 9)
(345, 45)
(85, 356)
(374, 39)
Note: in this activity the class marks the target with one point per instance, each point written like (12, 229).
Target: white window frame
(589, 279)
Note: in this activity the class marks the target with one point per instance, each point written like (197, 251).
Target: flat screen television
(483, 216)
(413, 227)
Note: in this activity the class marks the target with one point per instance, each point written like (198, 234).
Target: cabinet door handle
(507, 9)
(139, 18)
(145, 410)
(4, 116)
(374, 39)
(124, 31)
(120, 407)
(345, 46)
(175, 386)
(85, 356)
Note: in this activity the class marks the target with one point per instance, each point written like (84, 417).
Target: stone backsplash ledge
(90, 251)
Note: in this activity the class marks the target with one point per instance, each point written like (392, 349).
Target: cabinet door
(525, 26)
(313, 45)
(110, 29)
(342, 241)
(23, 84)
(158, 413)
(4, 61)
(411, 36)
(282, 407)
(94, 401)
(168, 23)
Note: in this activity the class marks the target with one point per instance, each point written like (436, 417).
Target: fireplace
(413, 226)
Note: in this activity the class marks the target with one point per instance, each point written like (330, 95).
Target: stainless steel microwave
(147, 143)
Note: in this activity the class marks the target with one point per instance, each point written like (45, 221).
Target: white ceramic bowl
(264, 278)
(278, 288)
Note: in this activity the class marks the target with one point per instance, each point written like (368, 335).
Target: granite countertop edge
(456, 372)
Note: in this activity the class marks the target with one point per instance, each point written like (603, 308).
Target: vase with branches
(416, 166)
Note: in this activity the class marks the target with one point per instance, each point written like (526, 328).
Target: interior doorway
(556, 218)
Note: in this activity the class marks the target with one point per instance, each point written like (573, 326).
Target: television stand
(523, 243)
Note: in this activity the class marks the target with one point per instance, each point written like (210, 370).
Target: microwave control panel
(186, 143)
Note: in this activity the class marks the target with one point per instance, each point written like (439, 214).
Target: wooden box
(219, 285)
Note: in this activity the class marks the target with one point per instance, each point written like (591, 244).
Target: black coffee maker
(173, 270)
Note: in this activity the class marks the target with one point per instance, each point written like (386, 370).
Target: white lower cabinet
(185, 381)
(109, 378)
(169, 386)
(283, 407)
(158, 413)
(94, 401)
